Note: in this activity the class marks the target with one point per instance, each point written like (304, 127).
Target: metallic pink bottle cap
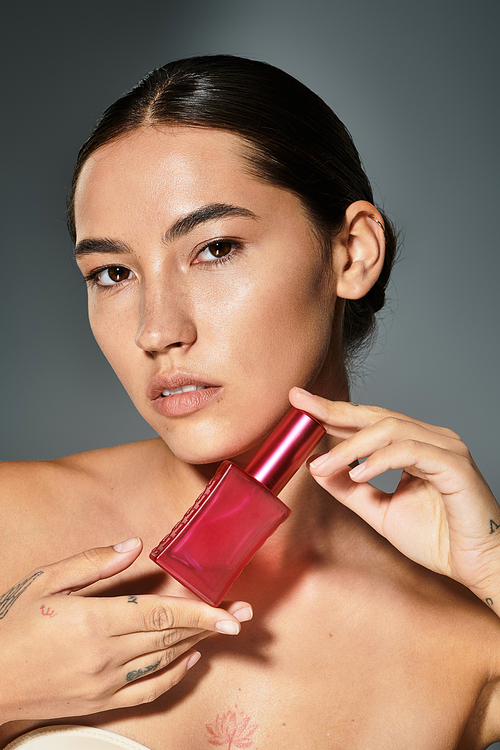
(285, 450)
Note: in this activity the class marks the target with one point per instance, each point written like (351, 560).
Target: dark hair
(297, 143)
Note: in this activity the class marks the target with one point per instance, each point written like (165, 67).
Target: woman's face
(201, 278)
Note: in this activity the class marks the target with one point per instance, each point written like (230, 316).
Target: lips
(183, 389)
(180, 393)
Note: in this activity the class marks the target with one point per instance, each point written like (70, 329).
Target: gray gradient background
(417, 85)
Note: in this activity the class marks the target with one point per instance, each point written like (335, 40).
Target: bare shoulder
(461, 636)
(52, 509)
(26, 484)
(449, 636)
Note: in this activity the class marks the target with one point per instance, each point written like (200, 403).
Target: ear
(359, 250)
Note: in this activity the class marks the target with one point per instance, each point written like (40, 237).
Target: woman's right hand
(69, 655)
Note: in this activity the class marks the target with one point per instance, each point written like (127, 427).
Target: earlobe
(359, 254)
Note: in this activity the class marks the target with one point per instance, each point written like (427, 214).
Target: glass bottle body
(220, 533)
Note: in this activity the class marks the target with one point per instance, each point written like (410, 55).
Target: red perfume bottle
(237, 512)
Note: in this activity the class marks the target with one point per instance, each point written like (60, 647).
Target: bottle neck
(285, 450)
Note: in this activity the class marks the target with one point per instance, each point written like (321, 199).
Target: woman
(234, 257)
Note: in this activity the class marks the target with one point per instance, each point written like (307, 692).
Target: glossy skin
(226, 321)
(350, 628)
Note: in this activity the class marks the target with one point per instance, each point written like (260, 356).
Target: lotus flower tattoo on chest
(231, 730)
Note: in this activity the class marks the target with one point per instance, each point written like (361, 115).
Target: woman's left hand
(442, 514)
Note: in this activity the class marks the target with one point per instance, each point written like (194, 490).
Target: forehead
(186, 164)
(155, 175)
(173, 145)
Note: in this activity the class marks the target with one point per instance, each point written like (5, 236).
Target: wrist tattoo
(493, 526)
(489, 602)
(141, 672)
(132, 600)
(13, 594)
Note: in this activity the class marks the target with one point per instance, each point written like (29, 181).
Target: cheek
(282, 323)
(299, 302)
(114, 337)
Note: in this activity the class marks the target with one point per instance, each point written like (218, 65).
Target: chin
(212, 441)
(213, 451)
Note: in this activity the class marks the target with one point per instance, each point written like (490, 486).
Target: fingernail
(244, 614)
(193, 660)
(127, 545)
(228, 627)
(357, 471)
(318, 461)
(302, 390)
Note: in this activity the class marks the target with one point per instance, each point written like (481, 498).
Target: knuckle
(412, 447)
(159, 617)
(95, 661)
(376, 410)
(452, 434)
(167, 657)
(392, 423)
(168, 638)
(463, 450)
(151, 695)
(466, 464)
(93, 556)
(391, 428)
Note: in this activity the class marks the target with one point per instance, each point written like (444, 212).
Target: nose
(166, 320)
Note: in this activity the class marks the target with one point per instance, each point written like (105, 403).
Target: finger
(343, 419)
(448, 472)
(387, 431)
(454, 478)
(366, 501)
(155, 661)
(153, 614)
(79, 571)
(163, 639)
(241, 610)
(139, 645)
(150, 688)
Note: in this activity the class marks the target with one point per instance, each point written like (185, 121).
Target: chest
(310, 686)
(329, 661)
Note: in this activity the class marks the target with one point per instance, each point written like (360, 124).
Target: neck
(309, 529)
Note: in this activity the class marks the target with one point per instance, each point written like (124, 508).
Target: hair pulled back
(296, 143)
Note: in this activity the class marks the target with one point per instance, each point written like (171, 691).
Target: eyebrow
(205, 213)
(89, 246)
(179, 229)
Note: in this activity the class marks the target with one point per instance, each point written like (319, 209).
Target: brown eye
(118, 273)
(215, 250)
(220, 249)
(113, 275)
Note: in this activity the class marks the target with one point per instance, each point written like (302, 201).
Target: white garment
(73, 738)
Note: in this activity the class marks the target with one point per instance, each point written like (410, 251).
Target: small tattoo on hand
(132, 600)
(489, 602)
(47, 611)
(141, 672)
(493, 526)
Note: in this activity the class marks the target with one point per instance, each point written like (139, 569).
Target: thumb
(74, 573)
